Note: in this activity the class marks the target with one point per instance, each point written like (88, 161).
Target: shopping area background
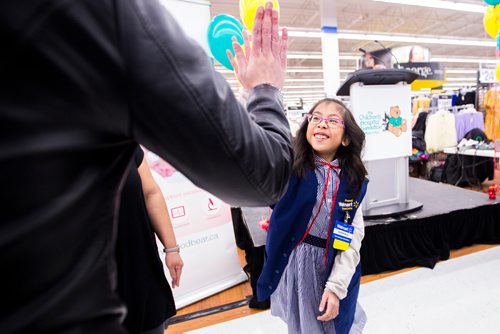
(440, 131)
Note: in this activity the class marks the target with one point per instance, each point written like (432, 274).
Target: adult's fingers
(232, 61)
(240, 55)
(257, 32)
(283, 47)
(248, 47)
(275, 34)
(267, 29)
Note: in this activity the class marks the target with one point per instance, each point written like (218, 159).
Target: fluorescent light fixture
(287, 80)
(461, 79)
(304, 56)
(318, 91)
(442, 59)
(292, 70)
(288, 70)
(319, 56)
(303, 98)
(306, 34)
(302, 87)
(303, 95)
(406, 38)
(455, 84)
(308, 91)
(451, 5)
(303, 80)
(461, 71)
(416, 39)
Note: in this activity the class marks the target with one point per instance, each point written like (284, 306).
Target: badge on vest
(348, 204)
(342, 235)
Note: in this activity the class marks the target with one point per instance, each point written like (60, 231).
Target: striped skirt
(297, 297)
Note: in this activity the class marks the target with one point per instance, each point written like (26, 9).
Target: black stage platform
(451, 218)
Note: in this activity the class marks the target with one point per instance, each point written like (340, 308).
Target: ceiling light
(461, 71)
(451, 5)
(304, 56)
(406, 38)
(307, 34)
(303, 95)
(461, 79)
(292, 70)
(303, 80)
(455, 84)
(302, 87)
(416, 39)
(318, 91)
(441, 59)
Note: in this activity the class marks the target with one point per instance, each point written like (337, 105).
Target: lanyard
(325, 189)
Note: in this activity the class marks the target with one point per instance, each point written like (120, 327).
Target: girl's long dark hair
(349, 156)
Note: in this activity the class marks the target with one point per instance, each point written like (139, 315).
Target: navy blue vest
(288, 224)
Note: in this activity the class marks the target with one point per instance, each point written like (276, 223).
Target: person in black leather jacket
(81, 82)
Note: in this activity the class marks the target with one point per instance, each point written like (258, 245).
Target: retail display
(492, 119)
(440, 131)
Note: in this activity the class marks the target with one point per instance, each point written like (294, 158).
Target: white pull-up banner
(204, 231)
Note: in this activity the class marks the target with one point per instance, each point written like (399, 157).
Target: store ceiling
(368, 16)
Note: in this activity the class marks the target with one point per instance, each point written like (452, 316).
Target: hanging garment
(420, 102)
(466, 121)
(440, 132)
(454, 99)
(492, 118)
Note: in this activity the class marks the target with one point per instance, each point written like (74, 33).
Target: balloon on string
(498, 41)
(491, 20)
(220, 32)
(498, 72)
(248, 9)
(492, 2)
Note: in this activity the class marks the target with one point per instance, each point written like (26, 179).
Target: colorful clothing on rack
(440, 131)
(466, 121)
(420, 102)
(466, 98)
(492, 119)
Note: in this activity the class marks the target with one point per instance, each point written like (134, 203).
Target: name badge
(342, 235)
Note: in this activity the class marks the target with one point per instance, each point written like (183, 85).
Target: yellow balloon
(498, 71)
(248, 9)
(491, 21)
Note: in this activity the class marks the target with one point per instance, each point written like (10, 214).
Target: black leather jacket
(81, 81)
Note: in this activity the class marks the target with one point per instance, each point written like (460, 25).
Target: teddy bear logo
(395, 123)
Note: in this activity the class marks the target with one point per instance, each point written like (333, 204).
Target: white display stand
(383, 111)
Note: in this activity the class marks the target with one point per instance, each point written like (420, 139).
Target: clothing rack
(455, 109)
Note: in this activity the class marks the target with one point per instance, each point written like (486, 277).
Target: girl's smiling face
(326, 136)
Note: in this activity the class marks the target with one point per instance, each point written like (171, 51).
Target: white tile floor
(459, 296)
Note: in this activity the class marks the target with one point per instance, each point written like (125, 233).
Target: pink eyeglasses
(332, 122)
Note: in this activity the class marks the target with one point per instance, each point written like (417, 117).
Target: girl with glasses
(312, 270)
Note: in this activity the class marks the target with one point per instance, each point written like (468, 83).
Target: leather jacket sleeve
(185, 111)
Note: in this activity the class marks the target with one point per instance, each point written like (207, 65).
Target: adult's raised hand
(265, 60)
